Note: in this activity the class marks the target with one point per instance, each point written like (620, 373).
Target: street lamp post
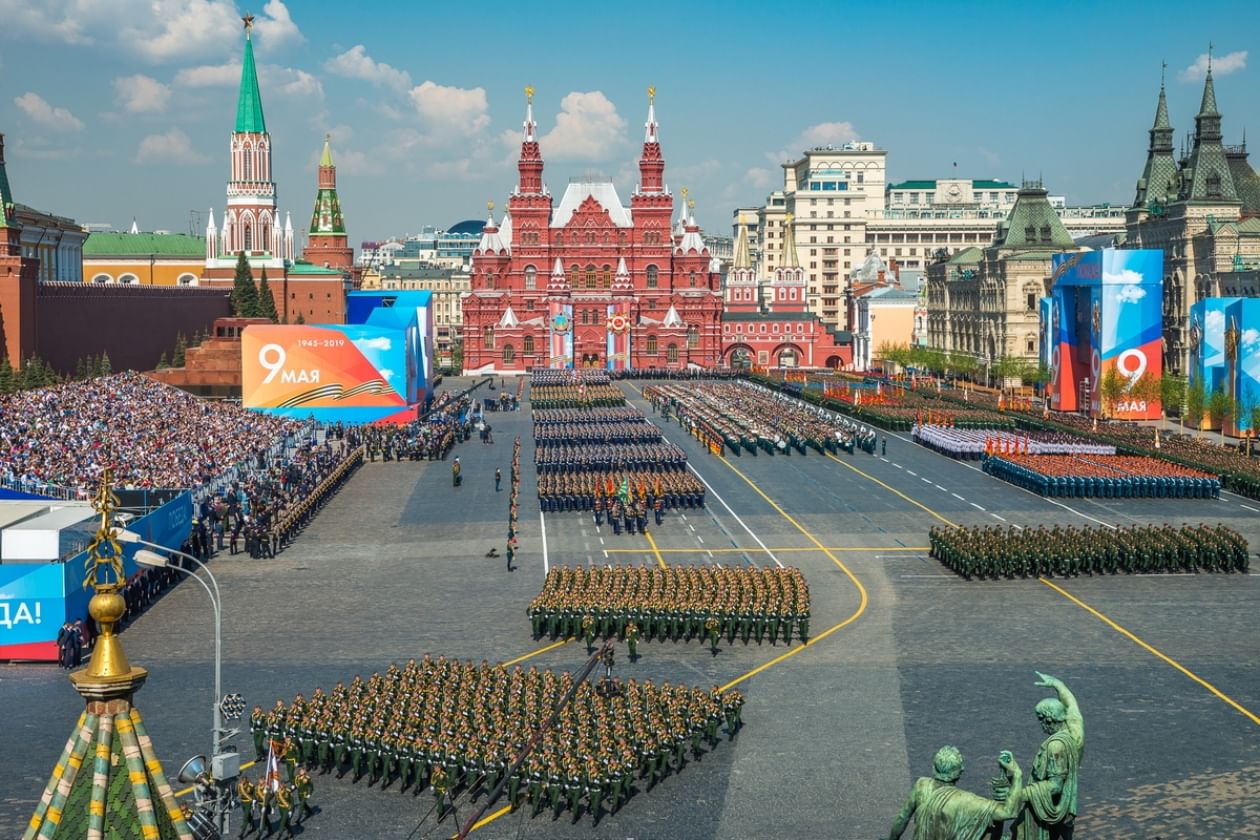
(221, 772)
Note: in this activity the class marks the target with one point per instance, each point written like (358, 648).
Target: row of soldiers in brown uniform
(596, 491)
(576, 396)
(456, 726)
(678, 603)
(1064, 551)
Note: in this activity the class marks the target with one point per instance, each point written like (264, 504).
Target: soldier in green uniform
(245, 795)
(284, 804)
(632, 640)
(258, 728)
(712, 629)
(305, 786)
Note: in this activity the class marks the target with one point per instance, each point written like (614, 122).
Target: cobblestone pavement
(395, 567)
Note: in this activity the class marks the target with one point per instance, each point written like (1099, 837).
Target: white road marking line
(684, 517)
(959, 498)
(546, 565)
(700, 538)
(942, 489)
(1018, 527)
(976, 506)
(1250, 508)
(995, 516)
(928, 480)
(601, 540)
(692, 527)
(912, 472)
(742, 523)
(898, 466)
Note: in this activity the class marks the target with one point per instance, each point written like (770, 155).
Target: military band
(455, 727)
(676, 604)
(1065, 551)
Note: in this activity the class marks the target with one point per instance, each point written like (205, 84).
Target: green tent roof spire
(6, 194)
(249, 111)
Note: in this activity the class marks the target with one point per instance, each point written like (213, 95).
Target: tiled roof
(101, 245)
(108, 783)
(1033, 223)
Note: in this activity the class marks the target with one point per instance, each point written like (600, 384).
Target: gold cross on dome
(651, 94)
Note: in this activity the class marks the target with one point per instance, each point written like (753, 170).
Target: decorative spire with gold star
(123, 791)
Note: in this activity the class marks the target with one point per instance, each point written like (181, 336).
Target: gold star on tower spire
(249, 23)
(529, 94)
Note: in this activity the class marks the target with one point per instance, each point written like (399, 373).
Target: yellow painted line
(1238, 707)
(702, 550)
(534, 653)
(891, 489)
(863, 599)
(655, 550)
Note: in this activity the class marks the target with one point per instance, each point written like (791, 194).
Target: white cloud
(171, 147)
(821, 134)
(351, 162)
(140, 94)
(1250, 338)
(386, 373)
(451, 110)
(290, 81)
(588, 127)
(155, 30)
(174, 30)
(274, 27)
(272, 78)
(383, 344)
(1222, 65)
(1214, 321)
(37, 109)
(759, 176)
(355, 63)
(210, 75)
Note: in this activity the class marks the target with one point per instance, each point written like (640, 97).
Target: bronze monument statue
(1050, 797)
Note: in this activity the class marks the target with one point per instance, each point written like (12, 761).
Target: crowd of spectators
(153, 436)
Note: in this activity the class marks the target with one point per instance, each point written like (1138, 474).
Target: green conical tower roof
(6, 194)
(249, 111)
(108, 781)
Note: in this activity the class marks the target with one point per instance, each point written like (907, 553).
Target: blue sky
(122, 108)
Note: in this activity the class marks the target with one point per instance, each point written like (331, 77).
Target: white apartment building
(844, 208)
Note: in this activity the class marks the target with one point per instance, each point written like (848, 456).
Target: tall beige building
(845, 209)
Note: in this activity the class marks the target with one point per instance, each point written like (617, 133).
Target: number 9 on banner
(272, 358)
(1131, 364)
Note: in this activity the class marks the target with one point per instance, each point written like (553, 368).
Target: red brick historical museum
(589, 281)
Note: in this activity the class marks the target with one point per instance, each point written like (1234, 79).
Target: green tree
(1196, 404)
(898, 354)
(244, 296)
(457, 356)
(266, 302)
(162, 364)
(1010, 367)
(300, 319)
(1172, 393)
(105, 367)
(1111, 390)
(1220, 407)
(181, 347)
(7, 382)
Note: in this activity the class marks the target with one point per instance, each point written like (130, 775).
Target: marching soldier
(305, 787)
(245, 795)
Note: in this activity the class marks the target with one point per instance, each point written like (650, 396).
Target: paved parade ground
(905, 657)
